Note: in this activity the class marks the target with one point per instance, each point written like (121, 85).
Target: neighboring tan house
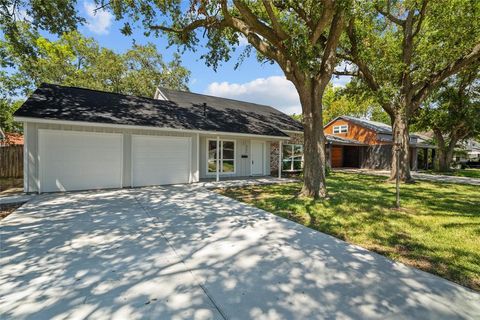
(471, 150)
(359, 143)
(78, 139)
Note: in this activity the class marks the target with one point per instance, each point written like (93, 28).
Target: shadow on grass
(437, 229)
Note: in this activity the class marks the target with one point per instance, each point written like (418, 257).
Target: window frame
(221, 159)
(292, 159)
(340, 128)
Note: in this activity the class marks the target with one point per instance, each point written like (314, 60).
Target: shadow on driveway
(184, 252)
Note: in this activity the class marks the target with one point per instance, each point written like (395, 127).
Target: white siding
(242, 165)
(31, 171)
(198, 165)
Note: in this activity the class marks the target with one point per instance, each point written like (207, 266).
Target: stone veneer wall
(295, 138)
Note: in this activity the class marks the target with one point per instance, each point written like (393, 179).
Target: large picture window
(226, 156)
(292, 158)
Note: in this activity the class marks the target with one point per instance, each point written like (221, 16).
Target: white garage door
(160, 160)
(74, 160)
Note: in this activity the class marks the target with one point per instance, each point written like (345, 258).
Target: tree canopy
(79, 61)
(453, 114)
(403, 50)
(76, 60)
(350, 101)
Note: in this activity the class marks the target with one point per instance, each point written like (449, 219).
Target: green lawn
(437, 230)
(469, 173)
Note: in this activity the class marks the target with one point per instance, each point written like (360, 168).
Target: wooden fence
(11, 162)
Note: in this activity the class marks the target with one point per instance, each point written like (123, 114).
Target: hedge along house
(79, 139)
(358, 143)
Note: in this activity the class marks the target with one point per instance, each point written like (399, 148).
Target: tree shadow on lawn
(359, 210)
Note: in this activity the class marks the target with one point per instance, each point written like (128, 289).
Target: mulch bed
(6, 209)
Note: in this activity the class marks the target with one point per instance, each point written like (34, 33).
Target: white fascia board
(128, 126)
(159, 95)
(292, 131)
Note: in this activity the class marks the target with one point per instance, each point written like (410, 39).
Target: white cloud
(340, 81)
(242, 41)
(99, 21)
(275, 91)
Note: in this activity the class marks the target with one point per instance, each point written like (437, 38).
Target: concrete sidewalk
(418, 176)
(184, 252)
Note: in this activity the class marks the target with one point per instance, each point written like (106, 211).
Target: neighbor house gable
(354, 131)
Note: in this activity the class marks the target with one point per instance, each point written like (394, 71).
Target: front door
(257, 156)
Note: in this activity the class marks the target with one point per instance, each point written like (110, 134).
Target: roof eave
(130, 126)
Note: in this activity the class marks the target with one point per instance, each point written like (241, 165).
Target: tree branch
(322, 23)
(424, 88)
(259, 27)
(329, 55)
(365, 72)
(276, 25)
(302, 14)
(421, 16)
(346, 73)
(388, 15)
(190, 27)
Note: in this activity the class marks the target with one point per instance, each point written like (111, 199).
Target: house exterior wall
(295, 138)
(242, 164)
(31, 160)
(377, 157)
(355, 132)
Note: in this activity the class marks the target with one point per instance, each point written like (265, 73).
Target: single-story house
(365, 144)
(77, 139)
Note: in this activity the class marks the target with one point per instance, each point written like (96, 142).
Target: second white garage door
(160, 160)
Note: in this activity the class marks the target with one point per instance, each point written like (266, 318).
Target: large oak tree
(300, 36)
(452, 113)
(403, 50)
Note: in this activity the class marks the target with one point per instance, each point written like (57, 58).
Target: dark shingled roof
(182, 110)
(343, 141)
(376, 126)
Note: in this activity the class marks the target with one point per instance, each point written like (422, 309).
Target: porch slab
(241, 182)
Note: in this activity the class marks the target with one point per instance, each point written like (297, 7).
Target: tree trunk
(311, 93)
(401, 140)
(445, 151)
(445, 156)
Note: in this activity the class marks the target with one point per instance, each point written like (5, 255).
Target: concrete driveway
(188, 253)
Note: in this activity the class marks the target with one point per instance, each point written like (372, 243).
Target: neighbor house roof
(378, 127)
(11, 139)
(180, 111)
(343, 141)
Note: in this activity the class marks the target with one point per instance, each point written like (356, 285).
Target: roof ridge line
(217, 97)
(96, 90)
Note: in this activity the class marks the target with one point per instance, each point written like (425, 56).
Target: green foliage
(454, 109)
(55, 17)
(351, 102)
(297, 117)
(7, 108)
(445, 32)
(223, 23)
(75, 60)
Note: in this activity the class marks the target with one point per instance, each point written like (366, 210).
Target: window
(226, 156)
(340, 129)
(292, 157)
